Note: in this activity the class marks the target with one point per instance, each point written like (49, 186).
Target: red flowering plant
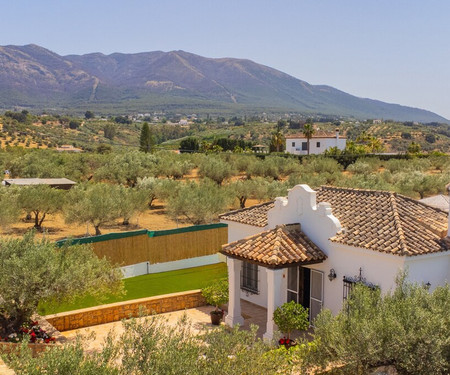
(30, 331)
(288, 317)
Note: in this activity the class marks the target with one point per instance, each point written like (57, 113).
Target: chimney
(337, 134)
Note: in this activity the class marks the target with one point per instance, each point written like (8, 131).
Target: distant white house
(298, 144)
(313, 246)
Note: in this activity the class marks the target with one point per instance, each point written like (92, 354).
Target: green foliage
(172, 165)
(414, 148)
(216, 294)
(199, 203)
(109, 131)
(189, 144)
(146, 140)
(32, 271)
(277, 142)
(308, 131)
(216, 169)
(9, 205)
(88, 115)
(74, 124)
(96, 204)
(41, 200)
(126, 168)
(130, 202)
(408, 328)
(365, 166)
(152, 346)
(290, 316)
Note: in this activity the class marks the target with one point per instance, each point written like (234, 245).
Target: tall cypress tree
(146, 139)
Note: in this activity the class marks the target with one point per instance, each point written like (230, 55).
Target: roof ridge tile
(398, 225)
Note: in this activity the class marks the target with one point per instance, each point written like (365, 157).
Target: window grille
(249, 278)
(304, 146)
(350, 281)
(318, 144)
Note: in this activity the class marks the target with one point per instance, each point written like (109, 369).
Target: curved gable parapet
(317, 221)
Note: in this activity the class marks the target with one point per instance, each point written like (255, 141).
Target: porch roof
(276, 248)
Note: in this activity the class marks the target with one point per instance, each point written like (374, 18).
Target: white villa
(312, 246)
(298, 144)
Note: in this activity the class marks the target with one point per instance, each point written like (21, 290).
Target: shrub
(408, 328)
(290, 316)
(216, 294)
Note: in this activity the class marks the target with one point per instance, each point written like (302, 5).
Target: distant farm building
(319, 142)
(57, 183)
(68, 148)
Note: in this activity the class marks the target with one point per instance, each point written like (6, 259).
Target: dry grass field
(56, 229)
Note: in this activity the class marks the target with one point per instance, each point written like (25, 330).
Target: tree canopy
(32, 271)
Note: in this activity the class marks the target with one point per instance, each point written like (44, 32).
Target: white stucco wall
(317, 221)
(261, 298)
(325, 143)
(432, 268)
(377, 268)
(238, 231)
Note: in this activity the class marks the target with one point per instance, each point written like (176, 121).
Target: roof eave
(273, 266)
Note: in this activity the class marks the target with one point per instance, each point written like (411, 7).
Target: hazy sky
(392, 50)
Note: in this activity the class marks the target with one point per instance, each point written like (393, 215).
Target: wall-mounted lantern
(332, 275)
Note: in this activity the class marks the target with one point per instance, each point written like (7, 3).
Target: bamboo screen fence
(129, 248)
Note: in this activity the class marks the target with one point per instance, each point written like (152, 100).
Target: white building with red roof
(319, 142)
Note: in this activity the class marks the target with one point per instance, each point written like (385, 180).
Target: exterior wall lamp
(332, 275)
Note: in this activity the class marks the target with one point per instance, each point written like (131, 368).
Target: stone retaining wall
(122, 310)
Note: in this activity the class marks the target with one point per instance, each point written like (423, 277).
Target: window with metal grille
(318, 144)
(350, 281)
(304, 146)
(249, 278)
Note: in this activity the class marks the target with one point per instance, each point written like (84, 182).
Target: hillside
(34, 77)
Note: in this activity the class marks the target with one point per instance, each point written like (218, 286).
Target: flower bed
(40, 334)
(31, 332)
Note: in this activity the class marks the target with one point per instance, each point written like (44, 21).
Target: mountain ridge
(32, 76)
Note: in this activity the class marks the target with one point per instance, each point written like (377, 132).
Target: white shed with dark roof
(57, 183)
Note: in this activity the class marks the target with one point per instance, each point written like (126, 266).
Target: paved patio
(199, 317)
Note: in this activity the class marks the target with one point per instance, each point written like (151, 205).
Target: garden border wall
(114, 312)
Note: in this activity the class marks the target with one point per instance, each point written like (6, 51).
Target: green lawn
(149, 285)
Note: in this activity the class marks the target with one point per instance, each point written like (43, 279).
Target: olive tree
(151, 346)
(96, 204)
(130, 202)
(216, 169)
(199, 203)
(41, 200)
(126, 168)
(9, 206)
(408, 328)
(32, 271)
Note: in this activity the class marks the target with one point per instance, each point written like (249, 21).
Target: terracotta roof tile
(254, 215)
(286, 244)
(372, 219)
